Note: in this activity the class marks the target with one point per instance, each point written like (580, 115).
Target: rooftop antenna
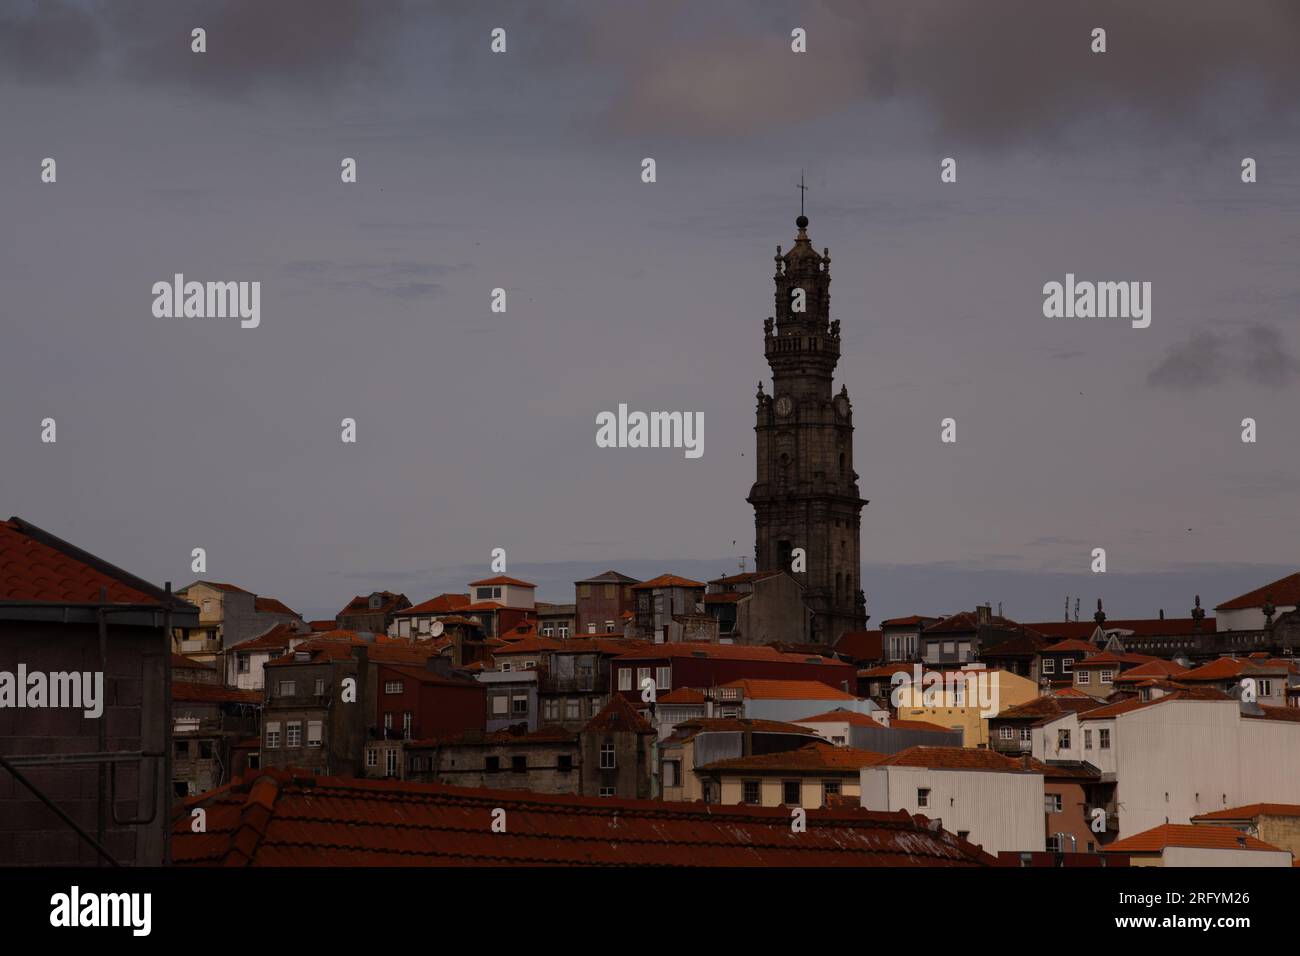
(1076, 609)
(1067, 607)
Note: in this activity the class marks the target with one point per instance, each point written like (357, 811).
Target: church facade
(807, 509)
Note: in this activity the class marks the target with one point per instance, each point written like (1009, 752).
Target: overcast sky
(476, 430)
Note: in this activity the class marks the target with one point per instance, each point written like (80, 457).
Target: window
(837, 740)
(609, 627)
(963, 834)
(923, 797)
(313, 733)
(1103, 738)
(390, 763)
(1049, 666)
(1026, 735)
(949, 648)
(584, 590)
(672, 773)
(205, 749)
(625, 678)
(547, 629)
(550, 709)
(1052, 802)
(663, 678)
(564, 631)
(790, 793)
(492, 764)
(486, 594)
(1054, 843)
(1107, 676)
(1067, 665)
(507, 666)
(388, 721)
(182, 750)
(1006, 733)
(392, 687)
(963, 651)
(565, 763)
(1081, 677)
(830, 788)
(372, 757)
(1087, 740)
(273, 735)
(749, 792)
(241, 661)
(406, 724)
(573, 709)
(286, 688)
(293, 734)
(500, 705)
(607, 755)
(1265, 687)
(518, 764)
(519, 705)
(642, 675)
(415, 765)
(320, 687)
(1062, 739)
(607, 791)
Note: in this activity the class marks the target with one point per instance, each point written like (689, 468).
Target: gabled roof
(1283, 592)
(730, 652)
(287, 818)
(502, 580)
(1151, 670)
(960, 758)
(1071, 644)
(218, 586)
(1043, 710)
(273, 639)
(969, 621)
(442, 604)
(188, 663)
(1109, 659)
(608, 577)
(1190, 835)
(922, 725)
(1131, 704)
(361, 604)
(268, 605)
(667, 581)
(1229, 668)
(908, 621)
(789, 690)
(814, 757)
(37, 566)
(1251, 811)
(339, 645)
(841, 716)
(618, 716)
(861, 645)
(685, 696)
(725, 725)
(746, 577)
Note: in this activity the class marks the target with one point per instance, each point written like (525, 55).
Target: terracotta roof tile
(283, 818)
(667, 581)
(442, 604)
(267, 605)
(789, 690)
(841, 716)
(814, 757)
(190, 692)
(1250, 811)
(959, 758)
(37, 566)
(501, 579)
(1187, 835)
(683, 695)
(1283, 591)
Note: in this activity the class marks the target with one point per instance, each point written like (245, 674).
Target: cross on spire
(802, 191)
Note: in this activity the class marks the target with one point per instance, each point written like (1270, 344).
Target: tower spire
(802, 192)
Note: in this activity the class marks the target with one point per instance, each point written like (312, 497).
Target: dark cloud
(45, 41)
(401, 280)
(1256, 354)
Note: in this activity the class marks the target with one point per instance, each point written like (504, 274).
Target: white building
(1246, 612)
(982, 796)
(1176, 757)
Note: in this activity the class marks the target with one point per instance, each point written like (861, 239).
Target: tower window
(784, 554)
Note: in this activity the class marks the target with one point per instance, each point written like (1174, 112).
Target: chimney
(983, 613)
(1024, 761)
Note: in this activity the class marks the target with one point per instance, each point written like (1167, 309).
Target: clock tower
(805, 495)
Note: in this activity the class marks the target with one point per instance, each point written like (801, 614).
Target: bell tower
(805, 494)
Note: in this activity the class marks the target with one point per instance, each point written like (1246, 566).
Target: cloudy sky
(476, 429)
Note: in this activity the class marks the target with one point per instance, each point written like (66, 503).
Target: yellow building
(813, 776)
(961, 699)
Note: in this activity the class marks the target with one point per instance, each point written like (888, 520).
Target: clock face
(784, 406)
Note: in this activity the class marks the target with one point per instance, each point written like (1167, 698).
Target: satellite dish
(436, 629)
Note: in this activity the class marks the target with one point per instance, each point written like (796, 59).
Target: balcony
(1016, 746)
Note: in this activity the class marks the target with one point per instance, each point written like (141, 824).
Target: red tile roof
(969, 621)
(906, 621)
(814, 757)
(1187, 835)
(1250, 811)
(501, 579)
(727, 725)
(746, 577)
(1136, 703)
(683, 695)
(618, 716)
(1156, 669)
(789, 690)
(960, 758)
(1284, 591)
(1071, 644)
(861, 645)
(1229, 668)
(924, 725)
(268, 605)
(228, 588)
(190, 692)
(277, 818)
(37, 566)
(734, 652)
(180, 662)
(274, 639)
(667, 581)
(1140, 626)
(442, 604)
(361, 604)
(339, 645)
